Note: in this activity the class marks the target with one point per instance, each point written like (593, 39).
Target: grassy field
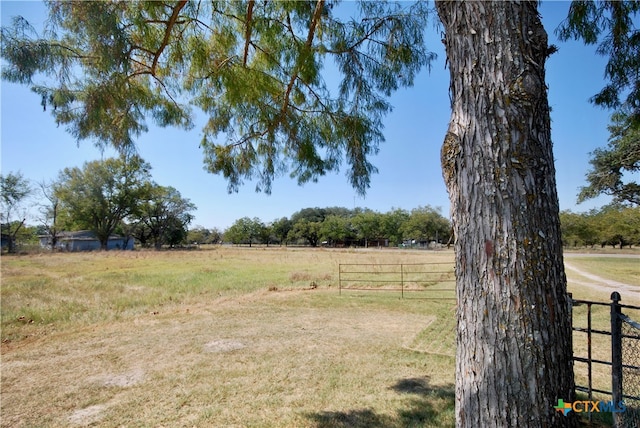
(222, 337)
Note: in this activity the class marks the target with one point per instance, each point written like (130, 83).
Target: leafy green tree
(618, 225)
(15, 190)
(215, 236)
(334, 228)
(392, 222)
(368, 225)
(610, 25)
(245, 231)
(630, 218)
(340, 212)
(164, 216)
(620, 161)
(281, 228)
(265, 234)
(202, 235)
(238, 232)
(313, 215)
(614, 224)
(103, 193)
(426, 224)
(175, 233)
(309, 231)
(578, 229)
(254, 68)
(139, 231)
(27, 236)
(198, 235)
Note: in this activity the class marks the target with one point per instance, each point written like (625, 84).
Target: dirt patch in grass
(87, 416)
(260, 359)
(124, 380)
(223, 345)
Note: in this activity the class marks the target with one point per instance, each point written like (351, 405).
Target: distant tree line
(117, 196)
(106, 197)
(202, 235)
(613, 225)
(340, 227)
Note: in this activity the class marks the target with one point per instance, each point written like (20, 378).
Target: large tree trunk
(514, 353)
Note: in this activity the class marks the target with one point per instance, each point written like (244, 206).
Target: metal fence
(427, 280)
(630, 382)
(621, 359)
(624, 360)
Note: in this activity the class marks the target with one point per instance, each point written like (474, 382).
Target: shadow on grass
(428, 407)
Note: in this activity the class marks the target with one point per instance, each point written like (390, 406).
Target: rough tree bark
(514, 354)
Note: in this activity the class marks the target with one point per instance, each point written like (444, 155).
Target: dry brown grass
(262, 359)
(220, 357)
(221, 337)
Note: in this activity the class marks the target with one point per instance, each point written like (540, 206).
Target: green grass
(625, 270)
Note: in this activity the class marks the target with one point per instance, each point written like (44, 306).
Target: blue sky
(408, 163)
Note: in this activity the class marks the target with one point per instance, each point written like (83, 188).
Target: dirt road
(587, 279)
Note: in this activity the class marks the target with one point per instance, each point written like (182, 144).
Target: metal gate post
(616, 354)
(402, 281)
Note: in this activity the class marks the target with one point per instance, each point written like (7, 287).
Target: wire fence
(630, 372)
(613, 342)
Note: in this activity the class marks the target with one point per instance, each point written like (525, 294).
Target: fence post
(616, 354)
(402, 281)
